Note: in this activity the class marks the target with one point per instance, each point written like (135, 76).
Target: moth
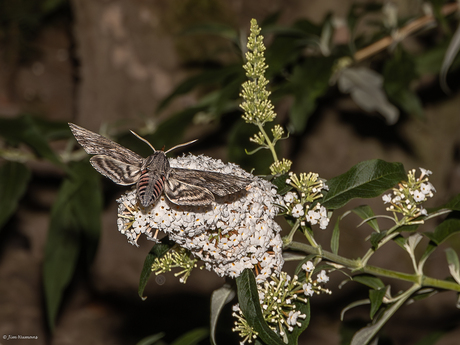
(153, 175)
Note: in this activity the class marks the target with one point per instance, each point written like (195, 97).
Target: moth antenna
(144, 140)
(180, 145)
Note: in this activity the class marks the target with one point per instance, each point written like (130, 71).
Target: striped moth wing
(112, 160)
(153, 174)
(205, 184)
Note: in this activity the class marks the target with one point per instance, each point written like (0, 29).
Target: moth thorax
(157, 162)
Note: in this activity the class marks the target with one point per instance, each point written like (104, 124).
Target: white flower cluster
(234, 233)
(277, 297)
(406, 199)
(315, 215)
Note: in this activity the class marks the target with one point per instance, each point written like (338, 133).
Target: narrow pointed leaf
(453, 204)
(376, 298)
(452, 258)
(367, 179)
(365, 335)
(193, 337)
(151, 339)
(352, 305)
(365, 212)
(335, 237)
(157, 251)
(431, 246)
(443, 231)
(280, 183)
(370, 281)
(376, 237)
(13, 183)
(248, 299)
(453, 264)
(219, 298)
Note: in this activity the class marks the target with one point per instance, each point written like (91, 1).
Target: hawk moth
(153, 175)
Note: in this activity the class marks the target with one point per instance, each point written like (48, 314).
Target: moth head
(163, 148)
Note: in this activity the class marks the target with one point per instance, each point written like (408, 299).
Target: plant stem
(269, 142)
(357, 266)
(289, 237)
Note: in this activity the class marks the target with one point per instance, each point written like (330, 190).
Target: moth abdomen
(149, 188)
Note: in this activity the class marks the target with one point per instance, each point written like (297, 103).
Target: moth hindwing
(153, 174)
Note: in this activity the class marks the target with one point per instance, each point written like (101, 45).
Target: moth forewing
(218, 183)
(96, 144)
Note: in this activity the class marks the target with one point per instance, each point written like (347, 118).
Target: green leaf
(14, 178)
(398, 73)
(74, 229)
(367, 179)
(400, 241)
(25, 129)
(430, 61)
(210, 76)
(366, 334)
(452, 258)
(352, 305)
(151, 339)
(248, 299)
(219, 298)
(280, 183)
(283, 51)
(376, 237)
(365, 212)
(424, 293)
(335, 237)
(370, 281)
(453, 204)
(192, 337)
(376, 298)
(157, 251)
(431, 246)
(453, 264)
(309, 81)
(449, 227)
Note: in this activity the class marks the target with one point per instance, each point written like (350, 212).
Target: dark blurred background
(115, 65)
